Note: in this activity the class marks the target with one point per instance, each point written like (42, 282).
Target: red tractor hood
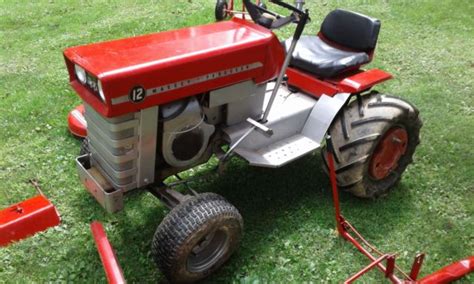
(174, 64)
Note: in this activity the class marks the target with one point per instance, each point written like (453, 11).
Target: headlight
(101, 92)
(80, 74)
(89, 81)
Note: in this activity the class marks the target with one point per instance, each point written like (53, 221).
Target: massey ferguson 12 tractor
(159, 104)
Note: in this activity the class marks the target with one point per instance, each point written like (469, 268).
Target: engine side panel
(241, 101)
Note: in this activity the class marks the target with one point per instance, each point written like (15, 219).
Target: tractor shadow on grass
(273, 202)
(276, 203)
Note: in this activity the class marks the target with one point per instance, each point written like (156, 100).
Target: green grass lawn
(289, 227)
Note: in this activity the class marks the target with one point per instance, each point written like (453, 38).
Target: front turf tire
(359, 130)
(196, 238)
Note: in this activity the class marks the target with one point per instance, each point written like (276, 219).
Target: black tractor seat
(313, 55)
(356, 33)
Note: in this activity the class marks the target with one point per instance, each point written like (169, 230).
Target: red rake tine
(451, 272)
(112, 268)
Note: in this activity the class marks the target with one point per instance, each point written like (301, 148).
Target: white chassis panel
(299, 123)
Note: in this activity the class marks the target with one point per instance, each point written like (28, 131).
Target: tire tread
(356, 132)
(183, 221)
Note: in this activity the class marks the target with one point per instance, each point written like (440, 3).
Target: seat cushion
(350, 29)
(315, 56)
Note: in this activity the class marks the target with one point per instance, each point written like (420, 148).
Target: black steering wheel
(257, 13)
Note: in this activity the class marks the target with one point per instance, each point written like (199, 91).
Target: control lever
(289, 7)
(299, 4)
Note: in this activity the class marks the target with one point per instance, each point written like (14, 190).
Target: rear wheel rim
(208, 251)
(388, 153)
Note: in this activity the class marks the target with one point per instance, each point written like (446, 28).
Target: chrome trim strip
(193, 81)
(147, 133)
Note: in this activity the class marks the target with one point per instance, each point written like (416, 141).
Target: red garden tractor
(159, 104)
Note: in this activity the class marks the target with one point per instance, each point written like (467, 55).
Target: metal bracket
(170, 198)
(110, 198)
(186, 183)
(416, 267)
(147, 145)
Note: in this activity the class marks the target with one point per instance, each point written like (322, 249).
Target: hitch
(348, 232)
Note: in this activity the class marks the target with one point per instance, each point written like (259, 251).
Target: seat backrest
(350, 29)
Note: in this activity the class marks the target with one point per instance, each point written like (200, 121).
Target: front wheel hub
(388, 152)
(208, 251)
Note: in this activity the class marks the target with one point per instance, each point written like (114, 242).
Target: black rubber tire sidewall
(184, 226)
(220, 13)
(352, 175)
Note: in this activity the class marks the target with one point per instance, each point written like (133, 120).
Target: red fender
(355, 82)
(76, 122)
(363, 81)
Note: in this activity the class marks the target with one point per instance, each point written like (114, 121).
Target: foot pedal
(267, 131)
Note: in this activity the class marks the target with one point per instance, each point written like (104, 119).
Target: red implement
(76, 122)
(447, 274)
(26, 218)
(451, 272)
(112, 268)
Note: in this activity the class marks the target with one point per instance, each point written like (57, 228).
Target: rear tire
(220, 11)
(359, 132)
(196, 238)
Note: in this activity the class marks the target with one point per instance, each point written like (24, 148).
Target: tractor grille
(113, 143)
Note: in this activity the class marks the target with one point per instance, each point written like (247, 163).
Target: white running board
(279, 153)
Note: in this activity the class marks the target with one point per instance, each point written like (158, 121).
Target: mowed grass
(289, 224)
